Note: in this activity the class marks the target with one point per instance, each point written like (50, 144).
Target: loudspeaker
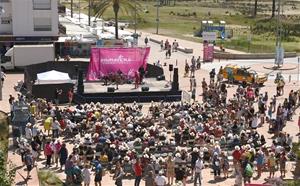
(145, 89)
(160, 78)
(170, 67)
(80, 87)
(175, 83)
(110, 89)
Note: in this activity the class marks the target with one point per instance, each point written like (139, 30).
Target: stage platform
(158, 91)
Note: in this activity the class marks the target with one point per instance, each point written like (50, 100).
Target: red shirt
(236, 154)
(138, 169)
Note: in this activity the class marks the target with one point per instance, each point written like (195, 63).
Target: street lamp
(135, 16)
(157, 15)
(79, 7)
(71, 8)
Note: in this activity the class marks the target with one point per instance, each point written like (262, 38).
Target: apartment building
(33, 21)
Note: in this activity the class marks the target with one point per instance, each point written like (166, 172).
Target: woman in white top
(254, 123)
(86, 175)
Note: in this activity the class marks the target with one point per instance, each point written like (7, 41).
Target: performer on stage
(118, 77)
(137, 79)
(142, 74)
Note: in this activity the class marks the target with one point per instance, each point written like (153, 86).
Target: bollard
(290, 78)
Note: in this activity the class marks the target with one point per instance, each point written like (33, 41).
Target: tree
(126, 6)
(49, 178)
(273, 7)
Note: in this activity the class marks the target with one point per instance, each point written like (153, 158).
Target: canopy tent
(53, 76)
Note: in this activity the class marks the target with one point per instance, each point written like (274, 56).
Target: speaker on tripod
(80, 86)
(175, 83)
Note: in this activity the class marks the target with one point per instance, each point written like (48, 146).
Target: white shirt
(160, 180)
(198, 166)
(86, 175)
(254, 122)
(55, 125)
(28, 133)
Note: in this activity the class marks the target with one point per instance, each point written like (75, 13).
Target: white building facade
(23, 19)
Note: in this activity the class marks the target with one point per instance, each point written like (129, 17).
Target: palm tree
(255, 8)
(273, 8)
(127, 6)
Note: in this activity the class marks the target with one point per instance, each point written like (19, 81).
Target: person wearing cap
(160, 179)
(198, 171)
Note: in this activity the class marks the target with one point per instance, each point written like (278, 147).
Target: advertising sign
(208, 52)
(209, 36)
(111, 60)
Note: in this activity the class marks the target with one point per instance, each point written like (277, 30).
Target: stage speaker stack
(145, 89)
(175, 83)
(110, 89)
(170, 67)
(160, 78)
(80, 87)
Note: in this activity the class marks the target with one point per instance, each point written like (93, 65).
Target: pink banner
(208, 52)
(110, 60)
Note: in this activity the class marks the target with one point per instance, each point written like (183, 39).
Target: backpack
(248, 170)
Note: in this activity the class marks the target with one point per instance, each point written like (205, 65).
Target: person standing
(57, 93)
(70, 96)
(55, 128)
(160, 179)
(86, 176)
(28, 132)
(48, 153)
(272, 165)
(198, 169)
(149, 180)
(63, 155)
(198, 61)
(282, 164)
(216, 165)
(118, 176)
(138, 172)
(170, 170)
(146, 41)
(98, 175)
(28, 162)
(137, 80)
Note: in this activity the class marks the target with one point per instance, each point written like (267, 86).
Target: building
(28, 21)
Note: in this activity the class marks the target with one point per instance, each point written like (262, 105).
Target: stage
(98, 92)
(152, 83)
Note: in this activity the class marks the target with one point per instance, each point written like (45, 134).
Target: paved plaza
(180, 57)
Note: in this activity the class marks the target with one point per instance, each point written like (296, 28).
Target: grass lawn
(184, 27)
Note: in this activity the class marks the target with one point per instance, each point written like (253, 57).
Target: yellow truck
(235, 73)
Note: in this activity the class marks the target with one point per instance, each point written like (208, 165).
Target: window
(5, 20)
(41, 4)
(42, 24)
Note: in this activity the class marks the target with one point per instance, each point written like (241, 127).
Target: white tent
(53, 76)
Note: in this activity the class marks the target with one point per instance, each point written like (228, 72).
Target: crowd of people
(165, 143)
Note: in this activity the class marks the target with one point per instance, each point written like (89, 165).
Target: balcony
(41, 5)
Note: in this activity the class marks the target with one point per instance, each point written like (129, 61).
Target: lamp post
(157, 16)
(279, 50)
(134, 16)
(89, 12)
(71, 8)
(79, 11)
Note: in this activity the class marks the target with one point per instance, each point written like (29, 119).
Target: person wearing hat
(28, 132)
(160, 179)
(216, 165)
